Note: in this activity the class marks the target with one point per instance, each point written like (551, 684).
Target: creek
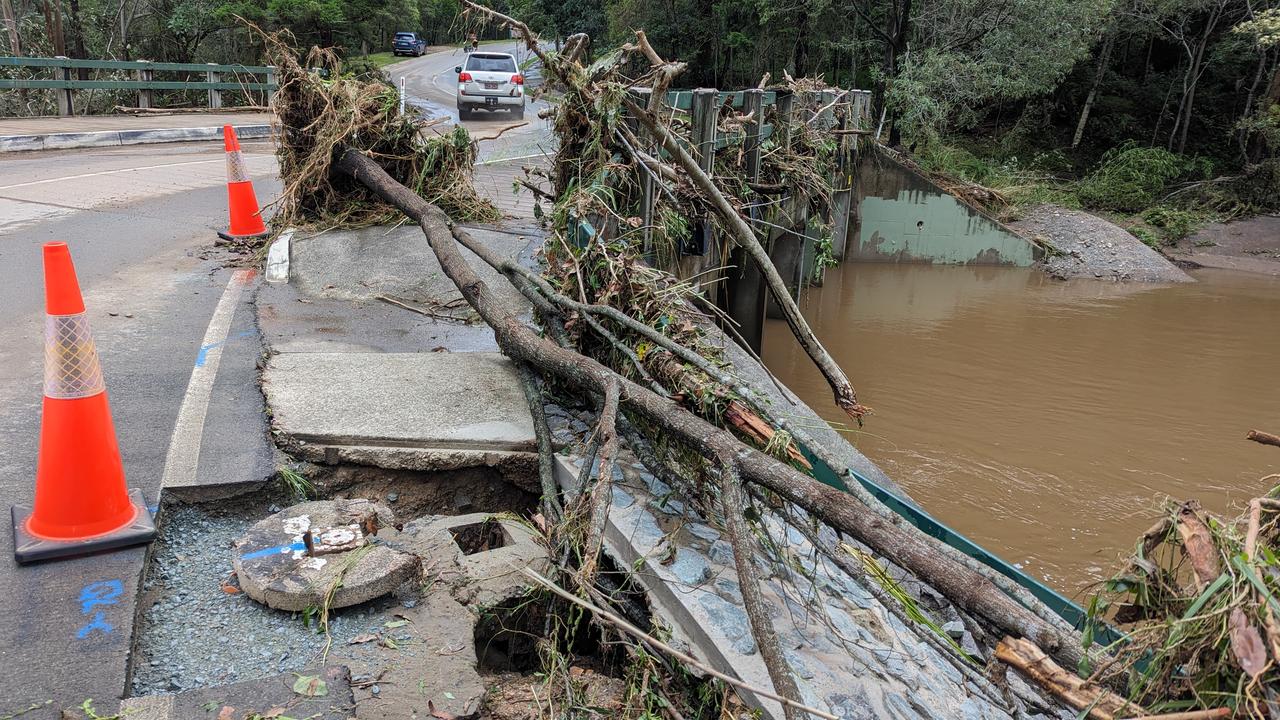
(1048, 420)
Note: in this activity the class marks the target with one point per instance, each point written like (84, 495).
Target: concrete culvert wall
(905, 217)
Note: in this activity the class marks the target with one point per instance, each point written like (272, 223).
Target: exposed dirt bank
(1250, 245)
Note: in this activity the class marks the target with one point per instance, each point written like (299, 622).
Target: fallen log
(1101, 704)
(1198, 543)
(1265, 438)
(907, 548)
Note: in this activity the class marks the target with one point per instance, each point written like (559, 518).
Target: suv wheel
(518, 112)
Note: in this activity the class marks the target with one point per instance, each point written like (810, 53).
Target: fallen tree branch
(1198, 543)
(1214, 714)
(602, 492)
(636, 632)
(734, 504)
(745, 237)
(551, 508)
(968, 589)
(1100, 703)
(1265, 438)
(536, 190)
(502, 130)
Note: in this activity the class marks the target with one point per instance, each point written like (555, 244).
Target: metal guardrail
(66, 82)
(1068, 610)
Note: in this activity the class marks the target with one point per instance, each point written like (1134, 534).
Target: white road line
(183, 459)
(119, 170)
(107, 172)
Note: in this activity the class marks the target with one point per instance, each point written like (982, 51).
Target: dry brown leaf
(359, 639)
(1246, 644)
(230, 589)
(441, 714)
(274, 712)
(227, 713)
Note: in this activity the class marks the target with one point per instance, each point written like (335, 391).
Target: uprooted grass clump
(322, 110)
(1200, 601)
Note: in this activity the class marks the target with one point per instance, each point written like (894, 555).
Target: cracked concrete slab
(432, 672)
(478, 555)
(252, 698)
(425, 411)
(392, 261)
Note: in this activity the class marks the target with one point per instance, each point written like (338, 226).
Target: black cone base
(28, 548)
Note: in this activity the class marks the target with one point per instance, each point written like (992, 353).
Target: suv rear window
(403, 36)
(491, 63)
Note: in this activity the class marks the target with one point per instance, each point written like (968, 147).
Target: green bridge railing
(65, 78)
(912, 513)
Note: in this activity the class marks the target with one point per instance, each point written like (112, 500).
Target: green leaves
(310, 686)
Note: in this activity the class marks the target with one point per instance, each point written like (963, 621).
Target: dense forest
(1189, 87)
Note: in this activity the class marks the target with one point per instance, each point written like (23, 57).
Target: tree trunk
(1103, 58)
(909, 549)
(901, 31)
(53, 26)
(1265, 438)
(1195, 72)
(11, 25)
(1242, 137)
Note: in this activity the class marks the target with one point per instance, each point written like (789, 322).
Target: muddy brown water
(1047, 420)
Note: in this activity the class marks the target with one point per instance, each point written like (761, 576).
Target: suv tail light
(464, 77)
(517, 79)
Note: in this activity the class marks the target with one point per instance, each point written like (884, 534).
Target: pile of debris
(626, 338)
(1199, 601)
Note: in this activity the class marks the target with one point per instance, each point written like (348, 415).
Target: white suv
(491, 81)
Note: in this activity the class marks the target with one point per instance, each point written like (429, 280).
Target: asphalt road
(140, 222)
(431, 85)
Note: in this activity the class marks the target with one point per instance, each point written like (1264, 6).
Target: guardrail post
(842, 183)
(63, 95)
(701, 250)
(143, 75)
(644, 176)
(786, 248)
(745, 287)
(270, 80)
(703, 111)
(215, 95)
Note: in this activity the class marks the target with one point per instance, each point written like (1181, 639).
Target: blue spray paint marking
(204, 349)
(106, 592)
(153, 509)
(274, 550)
(98, 623)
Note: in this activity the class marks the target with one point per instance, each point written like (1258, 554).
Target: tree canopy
(1192, 76)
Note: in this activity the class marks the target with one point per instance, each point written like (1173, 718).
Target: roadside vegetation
(1159, 196)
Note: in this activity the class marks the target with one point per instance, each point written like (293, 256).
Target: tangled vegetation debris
(621, 332)
(321, 109)
(1200, 601)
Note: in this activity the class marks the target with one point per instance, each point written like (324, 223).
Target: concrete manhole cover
(275, 567)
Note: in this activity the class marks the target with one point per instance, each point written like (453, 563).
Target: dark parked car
(407, 43)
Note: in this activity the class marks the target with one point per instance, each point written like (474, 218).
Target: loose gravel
(194, 633)
(1092, 247)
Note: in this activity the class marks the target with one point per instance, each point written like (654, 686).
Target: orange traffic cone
(246, 216)
(81, 501)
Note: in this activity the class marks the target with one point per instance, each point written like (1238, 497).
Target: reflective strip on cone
(236, 170)
(71, 367)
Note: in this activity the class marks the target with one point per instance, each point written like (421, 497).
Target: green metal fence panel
(912, 513)
(131, 85)
(683, 99)
(38, 62)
